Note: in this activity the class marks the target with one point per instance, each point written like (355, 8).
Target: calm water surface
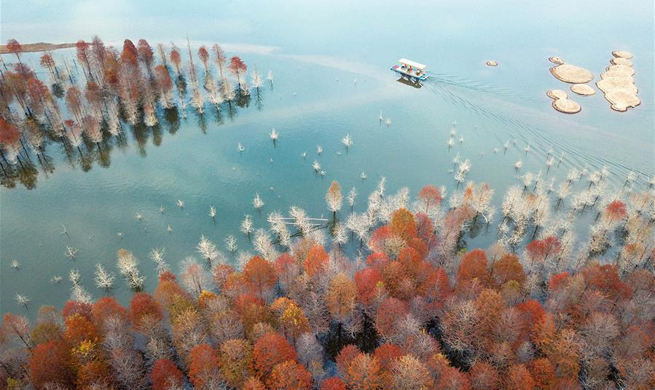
(308, 46)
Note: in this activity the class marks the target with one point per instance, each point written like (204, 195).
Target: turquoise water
(316, 51)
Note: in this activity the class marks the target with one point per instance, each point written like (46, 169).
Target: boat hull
(411, 76)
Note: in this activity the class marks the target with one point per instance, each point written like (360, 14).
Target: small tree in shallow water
(238, 68)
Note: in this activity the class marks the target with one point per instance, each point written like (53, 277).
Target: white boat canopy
(413, 64)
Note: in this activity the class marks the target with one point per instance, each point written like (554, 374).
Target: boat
(411, 70)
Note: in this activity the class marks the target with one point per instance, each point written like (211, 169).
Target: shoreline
(38, 47)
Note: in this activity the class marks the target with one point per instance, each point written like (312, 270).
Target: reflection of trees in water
(231, 110)
(202, 122)
(88, 153)
(242, 99)
(25, 173)
(58, 91)
(258, 101)
(173, 119)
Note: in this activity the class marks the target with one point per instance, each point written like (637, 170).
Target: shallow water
(308, 47)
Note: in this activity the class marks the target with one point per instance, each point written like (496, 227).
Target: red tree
(204, 57)
(51, 363)
(270, 350)
(99, 50)
(436, 288)
(9, 134)
(130, 54)
(176, 60)
(316, 261)
(453, 379)
(79, 328)
(204, 367)
(95, 374)
(484, 376)
(506, 269)
(389, 312)
(543, 373)
(107, 307)
(540, 250)
(616, 211)
(387, 355)
(144, 305)
(146, 54)
(345, 356)
(473, 266)
(429, 196)
(369, 285)
(165, 375)
(76, 307)
(259, 275)
(333, 383)
(237, 67)
(83, 56)
(289, 375)
(519, 378)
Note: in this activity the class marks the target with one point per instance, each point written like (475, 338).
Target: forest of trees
(89, 104)
(410, 309)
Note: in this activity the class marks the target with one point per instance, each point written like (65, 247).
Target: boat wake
(456, 91)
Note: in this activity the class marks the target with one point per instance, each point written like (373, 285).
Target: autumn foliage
(397, 319)
(165, 374)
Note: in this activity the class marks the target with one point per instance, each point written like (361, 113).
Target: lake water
(316, 52)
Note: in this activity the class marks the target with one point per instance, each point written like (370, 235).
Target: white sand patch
(621, 61)
(622, 54)
(617, 83)
(625, 84)
(556, 60)
(562, 103)
(622, 100)
(571, 74)
(620, 69)
(583, 89)
(556, 94)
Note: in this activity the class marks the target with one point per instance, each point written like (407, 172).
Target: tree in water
(238, 68)
(146, 55)
(10, 141)
(334, 198)
(176, 60)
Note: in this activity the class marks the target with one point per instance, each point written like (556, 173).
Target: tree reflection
(110, 100)
(31, 163)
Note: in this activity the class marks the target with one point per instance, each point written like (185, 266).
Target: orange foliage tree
(165, 375)
(519, 378)
(51, 363)
(259, 275)
(403, 224)
(473, 266)
(316, 261)
(484, 376)
(270, 350)
(345, 356)
(364, 373)
(506, 269)
(204, 368)
(289, 375)
(236, 361)
(333, 383)
(143, 306)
